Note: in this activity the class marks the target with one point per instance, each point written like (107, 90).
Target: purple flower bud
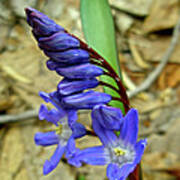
(58, 42)
(109, 117)
(66, 86)
(83, 71)
(41, 24)
(86, 100)
(71, 56)
(53, 65)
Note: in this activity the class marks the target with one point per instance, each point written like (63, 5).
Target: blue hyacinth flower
(68, 86)
(120, 153)
(66, 130)
(82, 71)
(69, 57)
(85, 100)
(59, 41)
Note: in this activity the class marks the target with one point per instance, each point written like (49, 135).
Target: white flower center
(64, 131)
(120, 154)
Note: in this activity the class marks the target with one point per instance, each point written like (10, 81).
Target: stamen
(119, 152)
(58, 129)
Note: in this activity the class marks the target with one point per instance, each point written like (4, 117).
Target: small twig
(153, 76)
(26, 115)
(18, 117)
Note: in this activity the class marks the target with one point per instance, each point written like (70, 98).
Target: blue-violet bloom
(67, 129)
(120, 153)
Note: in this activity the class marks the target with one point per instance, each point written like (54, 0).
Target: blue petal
(93, 156)
(71, 149)
(51, 164)
(54, 98)
(78, 130)
(52, 115)
(46, 139)
(85, 100)
(58, 42)
(72, 152)
(110, 117)
(139, 148)
(71, 56)
(106, 136)
(129, 131)
(125, 170)
(67, 87)
(114, 172)
(83, 71)
(72, 116)
(45, 96)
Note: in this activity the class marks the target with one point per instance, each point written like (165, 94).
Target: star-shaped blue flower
(66, 130)
(120, 153)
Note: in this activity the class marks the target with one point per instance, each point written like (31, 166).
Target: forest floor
(144, 29)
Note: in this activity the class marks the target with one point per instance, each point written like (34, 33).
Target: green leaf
(81, 177)
(98, 28)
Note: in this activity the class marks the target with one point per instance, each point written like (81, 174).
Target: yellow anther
(58, 129)
(119, 152)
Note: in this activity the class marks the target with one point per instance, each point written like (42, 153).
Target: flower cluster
(80, 66)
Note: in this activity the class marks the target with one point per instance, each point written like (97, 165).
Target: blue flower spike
(120, 154)
(65, 131)
(63, 49)
(80, 65)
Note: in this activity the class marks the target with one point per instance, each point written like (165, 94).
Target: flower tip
(36, 138)
(28, 10)
(47, 168)
(133, 115)
(44, 96)
(133, 111)
(42, 111)
(144, 142)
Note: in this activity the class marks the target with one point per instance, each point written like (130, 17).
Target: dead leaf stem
(18, 117)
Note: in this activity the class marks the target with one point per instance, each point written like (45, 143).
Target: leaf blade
(98, 28)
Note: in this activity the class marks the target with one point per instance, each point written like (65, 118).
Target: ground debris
(163, 15)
